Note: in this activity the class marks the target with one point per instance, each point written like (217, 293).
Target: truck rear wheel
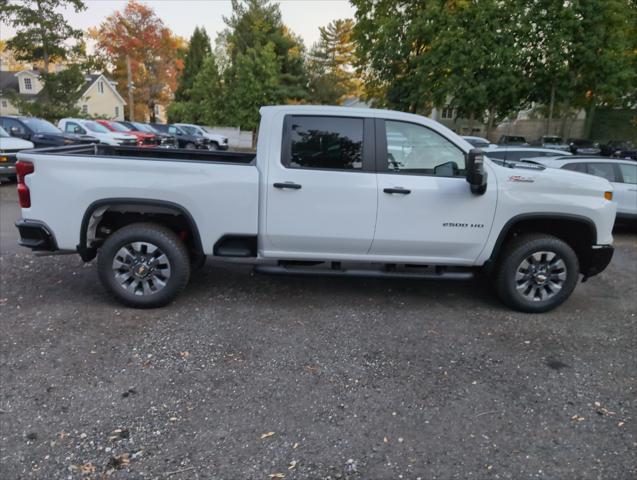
(536, 273)
(144, 265)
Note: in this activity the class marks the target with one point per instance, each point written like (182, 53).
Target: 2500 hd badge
(463, 225)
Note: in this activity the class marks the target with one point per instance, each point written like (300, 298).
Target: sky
(303, 17)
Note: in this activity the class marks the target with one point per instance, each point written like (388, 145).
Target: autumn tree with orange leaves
(156, 55)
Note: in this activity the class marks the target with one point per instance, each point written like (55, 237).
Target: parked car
(91, 127)
(583, 147)
(9, 147)
(41, 133)
(620, 149)
(143, 139)
(622, 175)
(478, 142)
(182, 138)
(520, 153)
(217, 142)
(314, 201)
(165, 140)
(553, 142)
(513, 140)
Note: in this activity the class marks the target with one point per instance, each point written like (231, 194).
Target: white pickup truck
(330, 191)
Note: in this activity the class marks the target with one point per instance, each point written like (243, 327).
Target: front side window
(629, 173)
(415, 149)
(72, 127)
(604, 170)
(334, 143)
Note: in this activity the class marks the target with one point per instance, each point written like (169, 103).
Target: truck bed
(218, 190)
(169, 154)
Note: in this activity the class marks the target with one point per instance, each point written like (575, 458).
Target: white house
(99, 95)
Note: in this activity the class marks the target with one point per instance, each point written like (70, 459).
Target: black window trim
(381, 149)
(368, 154)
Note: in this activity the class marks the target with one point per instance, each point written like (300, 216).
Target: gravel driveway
(256, 377)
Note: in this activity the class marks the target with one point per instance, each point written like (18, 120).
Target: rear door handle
(290, 185)
(399, 190)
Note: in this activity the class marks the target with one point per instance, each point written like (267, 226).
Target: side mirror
(476, 175)
(18, 133)
(77, 130)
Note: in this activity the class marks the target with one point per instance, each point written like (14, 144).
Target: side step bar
(437, 273)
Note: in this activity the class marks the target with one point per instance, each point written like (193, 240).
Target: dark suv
(41, 133)
(183, 138)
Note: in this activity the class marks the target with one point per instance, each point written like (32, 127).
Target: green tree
(330, 64)
(420, 55)
(257, 23)
(254, 81)
(42, 33)
(198, 51)
(58, 97)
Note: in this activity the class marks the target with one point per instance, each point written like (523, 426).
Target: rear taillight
(22, 170)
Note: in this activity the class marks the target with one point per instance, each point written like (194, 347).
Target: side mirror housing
(476, 175)
(16, 132)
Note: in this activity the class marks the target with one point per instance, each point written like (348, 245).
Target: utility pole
(131, 103)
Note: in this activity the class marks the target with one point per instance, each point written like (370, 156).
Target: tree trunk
(131, 102)
(551, 107)
(490, 121)
(590, 115)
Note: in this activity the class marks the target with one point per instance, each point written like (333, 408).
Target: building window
(85, 109)
(100, 87)
(5, 104)
(117, 111)
(157, 110)
(447, 112)
(27, 84)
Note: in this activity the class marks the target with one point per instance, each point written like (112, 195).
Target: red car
(143, 139)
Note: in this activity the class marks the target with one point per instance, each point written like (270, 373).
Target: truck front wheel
(536, 273)
(144, 265)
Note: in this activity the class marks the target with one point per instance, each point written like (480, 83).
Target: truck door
(321, 195)
(425, 207)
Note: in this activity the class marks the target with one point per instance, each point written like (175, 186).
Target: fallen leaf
(621, 424)
(184, 355)
(277, 475)
(385, 440)
(267, 434)
(292, 464)
(87, 468)
(295, 446)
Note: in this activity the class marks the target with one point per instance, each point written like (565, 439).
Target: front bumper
(598, 259)
(36, 235)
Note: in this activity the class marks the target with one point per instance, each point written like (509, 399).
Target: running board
(433, 273)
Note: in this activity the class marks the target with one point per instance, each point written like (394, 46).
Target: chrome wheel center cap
(540, 278)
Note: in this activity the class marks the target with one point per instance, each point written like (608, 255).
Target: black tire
(214, 146)
(512, 291)
(167, 242)
(191, 146)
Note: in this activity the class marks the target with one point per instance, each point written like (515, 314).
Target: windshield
(40, 126)
(118, 127)
(95, 127)
(3, 133)
(553, 140)
(515, 139)
(142, 127)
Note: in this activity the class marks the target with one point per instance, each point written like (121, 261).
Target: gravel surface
(249, 376)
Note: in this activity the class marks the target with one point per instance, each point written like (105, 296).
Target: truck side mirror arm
(476, 175)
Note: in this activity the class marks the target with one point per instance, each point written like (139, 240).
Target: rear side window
(629, 173)
(604, 170)
(334, 143)
(575, 167)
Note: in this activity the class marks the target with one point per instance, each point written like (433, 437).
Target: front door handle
(291, 185)
(399, 190)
